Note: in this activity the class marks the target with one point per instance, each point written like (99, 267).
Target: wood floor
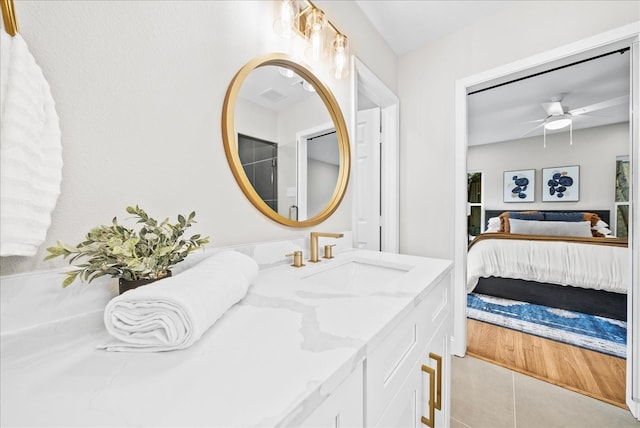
(590, 373)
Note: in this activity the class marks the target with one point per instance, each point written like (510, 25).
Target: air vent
(273, 95)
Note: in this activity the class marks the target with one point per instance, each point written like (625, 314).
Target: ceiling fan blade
(553, 108)
(532, 129)
(601, 105)
(586, 116)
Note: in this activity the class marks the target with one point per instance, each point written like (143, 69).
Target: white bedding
(600, 267)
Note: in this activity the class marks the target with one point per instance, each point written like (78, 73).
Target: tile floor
(484, 395)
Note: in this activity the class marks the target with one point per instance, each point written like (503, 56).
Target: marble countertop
(269, 361)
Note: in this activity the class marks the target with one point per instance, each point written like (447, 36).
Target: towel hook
(9, 17)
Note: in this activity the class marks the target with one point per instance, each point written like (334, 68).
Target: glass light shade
(340, 56)
(284, 26)
(308, 86)
(558, 123)
(315, 32)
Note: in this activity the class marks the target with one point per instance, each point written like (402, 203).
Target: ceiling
(513, 110)
(407, 25)
(273, 90)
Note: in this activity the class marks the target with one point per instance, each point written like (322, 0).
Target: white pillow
(553, 228)
(603, 228)
(493, 224)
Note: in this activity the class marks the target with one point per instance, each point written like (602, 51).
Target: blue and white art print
(561, 184)
(519, 186)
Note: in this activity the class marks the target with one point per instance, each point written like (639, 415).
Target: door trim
(365, 81)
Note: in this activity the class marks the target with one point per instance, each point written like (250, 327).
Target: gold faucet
(314, 243)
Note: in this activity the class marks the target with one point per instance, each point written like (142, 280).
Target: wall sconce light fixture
(303, 18)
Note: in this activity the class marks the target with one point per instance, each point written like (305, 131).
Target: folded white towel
(30, 150)
(174, 313)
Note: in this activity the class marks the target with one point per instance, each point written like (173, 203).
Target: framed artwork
(561, 184)
(519, 186)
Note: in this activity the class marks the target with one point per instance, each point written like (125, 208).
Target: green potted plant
(136, 257)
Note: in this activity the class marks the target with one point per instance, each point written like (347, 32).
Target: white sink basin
(359, 272)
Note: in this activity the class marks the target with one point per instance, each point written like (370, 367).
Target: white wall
(426, 80)
(256, 121)
(594, 150)
(318, 193)
(139, 87)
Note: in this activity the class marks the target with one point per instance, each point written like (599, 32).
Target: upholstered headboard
(604, 215)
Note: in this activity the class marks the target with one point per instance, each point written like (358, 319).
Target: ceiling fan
(559, 116)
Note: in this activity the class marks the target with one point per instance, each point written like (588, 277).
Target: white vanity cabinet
(406, 377)
(408, 380)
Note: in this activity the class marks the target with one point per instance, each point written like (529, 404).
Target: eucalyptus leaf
(121, 252)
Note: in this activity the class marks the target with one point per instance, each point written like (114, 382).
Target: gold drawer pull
(438, 359)
(432, 410)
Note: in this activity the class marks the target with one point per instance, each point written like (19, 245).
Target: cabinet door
(412, 405)
(437, 368)
(406, 408)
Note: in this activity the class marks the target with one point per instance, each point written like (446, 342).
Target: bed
(563, 259)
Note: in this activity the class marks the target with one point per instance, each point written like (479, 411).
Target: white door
(367, 170)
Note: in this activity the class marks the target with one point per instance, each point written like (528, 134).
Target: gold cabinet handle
(438, 360)
(432, 409)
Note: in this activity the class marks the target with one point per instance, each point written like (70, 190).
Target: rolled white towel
(174, 312)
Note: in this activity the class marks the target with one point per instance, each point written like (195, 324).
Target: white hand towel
(174, 313)
(30, 150)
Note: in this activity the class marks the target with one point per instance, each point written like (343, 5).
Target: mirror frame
(230, 138)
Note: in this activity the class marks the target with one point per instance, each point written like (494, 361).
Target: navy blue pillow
(526, 216)
(564, 216)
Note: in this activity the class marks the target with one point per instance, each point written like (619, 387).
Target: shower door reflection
(259, 159)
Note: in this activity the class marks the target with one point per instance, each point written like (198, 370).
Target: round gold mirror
(286, 141)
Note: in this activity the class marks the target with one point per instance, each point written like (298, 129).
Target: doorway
(376, 225)
(318, 167)
(624, 36)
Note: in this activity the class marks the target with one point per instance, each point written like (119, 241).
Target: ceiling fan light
(559, 123)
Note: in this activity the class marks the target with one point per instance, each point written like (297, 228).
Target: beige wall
(139, 88)
(594, 150)
(426, 81)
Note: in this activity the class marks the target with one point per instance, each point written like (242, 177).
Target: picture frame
(561, 184)
(519, 185)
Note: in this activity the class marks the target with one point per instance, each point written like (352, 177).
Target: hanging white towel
(30, 150)
(174, 312)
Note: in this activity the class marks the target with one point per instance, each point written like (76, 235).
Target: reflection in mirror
(280, 108)
(290, 141)
(259, 160)
(319, 157)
